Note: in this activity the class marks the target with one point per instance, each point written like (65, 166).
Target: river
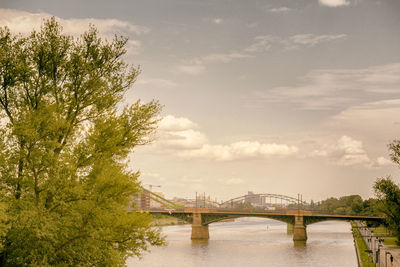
(254, 242)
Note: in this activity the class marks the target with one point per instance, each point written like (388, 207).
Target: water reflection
(254, 242)
(299, 244)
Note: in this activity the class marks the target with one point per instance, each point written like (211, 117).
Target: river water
(254, 242)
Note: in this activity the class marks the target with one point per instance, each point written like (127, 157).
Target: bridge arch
(262, 198)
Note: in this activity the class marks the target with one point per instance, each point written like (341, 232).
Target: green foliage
(64, 182)
(362, 247)
(347, 205)
(388, 194)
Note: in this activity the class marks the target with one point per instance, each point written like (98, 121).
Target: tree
(64, 181)
(388, 194)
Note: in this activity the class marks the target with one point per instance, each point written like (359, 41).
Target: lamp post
(391, 258)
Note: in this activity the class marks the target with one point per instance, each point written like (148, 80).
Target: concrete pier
(199, 231)
(300, 231)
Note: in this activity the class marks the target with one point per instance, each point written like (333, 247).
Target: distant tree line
(346, 205)
(349, 205)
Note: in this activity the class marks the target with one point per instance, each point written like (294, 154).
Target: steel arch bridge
(243, 199)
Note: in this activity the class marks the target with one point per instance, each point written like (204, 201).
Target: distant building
(155, 204)
(189, 203)
(140, 202)
(252, 198)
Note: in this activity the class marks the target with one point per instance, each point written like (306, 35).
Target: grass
(388, 239)
(362, 247)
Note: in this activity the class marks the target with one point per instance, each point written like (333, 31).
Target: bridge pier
(199, 231)
(300, 231)
(289, 228)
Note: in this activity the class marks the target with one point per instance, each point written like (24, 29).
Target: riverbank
(387, 249)
(361, 247)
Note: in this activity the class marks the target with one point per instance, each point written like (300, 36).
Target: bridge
(297, 220)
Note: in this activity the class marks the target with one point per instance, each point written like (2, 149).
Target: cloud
(23, 22)
(187, 139)
(192, 69)
(376, 122)
(234, 181)
(218, 20)
(159, 83)
(223, 57)
(264, 43)
(279, 9)
(327, 89)
(382, 161)
(312, 40)
(181, 136)
(173, 124)
(241, 150)
(345, 152)
(197, 66)
(334, 3)
(177, 133)
(133, 47)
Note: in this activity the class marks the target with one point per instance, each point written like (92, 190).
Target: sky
(273, 96)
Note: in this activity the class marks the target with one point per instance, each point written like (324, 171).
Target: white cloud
(382, 161)
(279, 9)
(159, 83)
(192, 69)
(334, 3)
(241, 150)
(312, 40)
(234, 181)
(177, 133)
(350, 146)
(182, 137)
(346, 152)
(326, 89)
(218, 20)
(186, 139)
(197, 66)
(23, 22)
(264, 43)
(133, 47)
(173, 124)
(376, 122)
(223, 57)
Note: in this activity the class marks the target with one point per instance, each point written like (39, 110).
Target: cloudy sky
(273, 96)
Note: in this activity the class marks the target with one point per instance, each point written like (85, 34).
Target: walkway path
(374, 245)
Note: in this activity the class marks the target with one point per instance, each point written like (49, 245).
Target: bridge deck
(256, 213)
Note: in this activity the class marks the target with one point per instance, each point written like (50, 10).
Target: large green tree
(388, 193)
(64, 140)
